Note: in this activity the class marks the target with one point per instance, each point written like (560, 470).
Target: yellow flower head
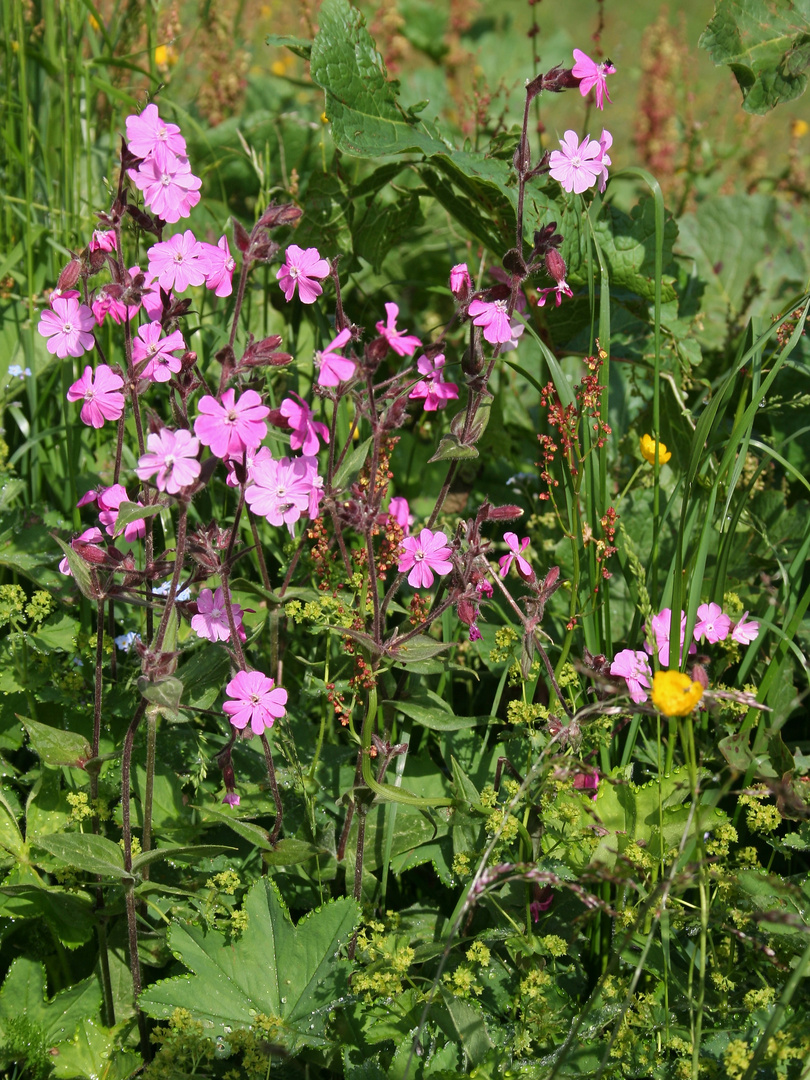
(165, 56)
(674, 694)
(799, 128)
(648, 446)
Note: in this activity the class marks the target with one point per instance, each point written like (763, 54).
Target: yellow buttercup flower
(165, 56)
(799, 128)
(674, 694)
(648, 446)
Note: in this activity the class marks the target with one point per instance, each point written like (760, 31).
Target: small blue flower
(124, 642)
(17, 372)
(163, 590)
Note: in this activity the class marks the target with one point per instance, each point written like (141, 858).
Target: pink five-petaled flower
(281, 491)
(102, 240)
(89, 536)
(149, 346)
(109, 503)
(745, 632)
(173, 456)
(590, 75)
(577, 165)
(432, 386)
(170, 189)
(99, 390)
(515, 555)
(220, 265)
(712, 624)
(177, 262)
(401, 513)
(67, 327)
(302, 267)
(423, 555)
(233, 426)
(211, 620)
(333, 368)
(491, 314)
(661, 625)
(256, 700)
(305, 430)
(149, 136)
(403, 343)
(634, 668)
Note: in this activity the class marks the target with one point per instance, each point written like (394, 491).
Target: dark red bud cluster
(264, 353)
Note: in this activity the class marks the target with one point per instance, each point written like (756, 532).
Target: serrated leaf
(288, 972)
(186, 851)
(69, 913)
(627, 243)
(93, 854)
(57, 747)
(23, 994)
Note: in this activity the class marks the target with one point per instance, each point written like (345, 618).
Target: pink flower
(220, 265)
(68, 328)
(745, 632)
(280, 490)
(100, 392)
(587, 782)
(401, 513)
(591, 74)
(712, 624)
(523, 567)
(173, 456)
(302, 268)
(403, 343)
(105, 303)
(475, 633)
(432, 387)
(231, 798)
(577, 165)
(605, 143)
(159, 352)
(149, 136)
(89, 536)
(662, 628)
(211, 620)
(424, 554)
(233, 426)
(102, 240)
(305, 430)
(177, 263)
(634, 668)
(256, 700)
(491, 314)
(333, 368)
(109, 502)
(315, 483)
(170, 189)
(153, 302)
(460, 282)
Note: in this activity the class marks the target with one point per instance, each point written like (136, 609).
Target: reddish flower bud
(467, 611)
(555, 264)
(70, 274)
(274, 216)
(504, 513)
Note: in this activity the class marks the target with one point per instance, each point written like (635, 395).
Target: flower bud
(274, 216)
(555, 264)
(504, 513)
(460, 282)
(70, 274)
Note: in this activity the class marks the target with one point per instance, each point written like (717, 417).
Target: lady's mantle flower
(745, 632)
(577, 165)
(302, 268)
(177, 262)
(648, 449)
(432, 387)
(159, 352)
(68, 328)
(173, 456)
(712, 624)
(515, 553)
(422, 555)
(403, 343)
(255, 700)
(211, 620)
(231, 427)
(100, 392)
(305, 430)
(590, 75)
(491, 314)
(674, 693)
(333, 368)
(634, 668)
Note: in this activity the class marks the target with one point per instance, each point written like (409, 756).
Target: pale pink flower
(211, 620)
(590, 75)
(491, 314)
(745, 632)
(149, 136)
(561, 289)
(305, 430)
(68, 326)
(255, 700)
(105, 303)
(231, 427)
(149, 345)
(102, 240)
(516, 550)
(302, 268)
(403, 343)
(279, 490)
(432, 387)
(460, 282)
(170, 189)
(100, 392)
(220, 265)
(89, 536)
(423, 555)
(577, 166)
(153, 302)
(173, 456)
(109, 502)
(177, 262)
(634, 668)
(400, 511)
(605, 143)
(712, 624)
(245, 459)
(315, 482)
(333, 368)
(661, 626)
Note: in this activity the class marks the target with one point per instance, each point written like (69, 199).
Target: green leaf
(204, 674)
(80, 570)
(463, 1023)
(300, 46)
(351, 466)
(418, 648)
(628, 246)
(129, 512)
(57, 747)
(189, 851)
(167, 693)
(451, 448)
(67, 912)
(436, 719)
(283, 971)
(766, 45)
(10, 836)
(23, 994)
(93, 854)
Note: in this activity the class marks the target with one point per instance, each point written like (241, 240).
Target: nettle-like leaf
(766, 45)
(289, 973)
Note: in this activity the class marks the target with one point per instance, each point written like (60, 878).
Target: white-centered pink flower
(68, 326)
(592, 76)
(158, 351)
(220, 265)
(400, 511)
(745, 630)
(432, 387)
(231, 427)
(425, 555)
(460, 281)
(149, 136)
(211, 620)
(712, 624)
(516, 549)
(577, 165)
(302, 267)
(281, 491)
(100, 390)
(662, 629)
(403, 343)
(634, 668)
(177, 262)
(254, 699)
(170, 189)
(491, 315)
(171, 459)
(333, 368)
(305, 430)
